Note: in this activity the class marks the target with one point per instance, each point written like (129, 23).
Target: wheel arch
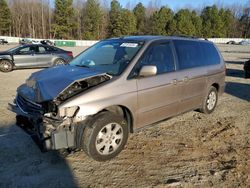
(116, 109)
(217, 86)
(125, 112)
(7, 59)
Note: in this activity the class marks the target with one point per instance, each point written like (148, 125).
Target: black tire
(6, 65)
(207, 107)
(59, 62)
(100, 126)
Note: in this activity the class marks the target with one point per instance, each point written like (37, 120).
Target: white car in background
(28, 41)
(244, 42)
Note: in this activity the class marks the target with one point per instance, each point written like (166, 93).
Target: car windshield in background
(110, 56)
(13, 49)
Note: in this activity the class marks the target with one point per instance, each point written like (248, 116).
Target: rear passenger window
(211, 56)
(41, 49)
(189, 54)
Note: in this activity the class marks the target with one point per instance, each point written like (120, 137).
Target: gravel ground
(191, 150)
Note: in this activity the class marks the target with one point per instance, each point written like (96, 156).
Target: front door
(25, 57)
(158, 96)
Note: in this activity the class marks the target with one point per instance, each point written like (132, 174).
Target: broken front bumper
(48, 133)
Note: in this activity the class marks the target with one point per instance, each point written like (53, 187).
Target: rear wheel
(210, 101)
(6, 66)
(59, 62)
(106, 137)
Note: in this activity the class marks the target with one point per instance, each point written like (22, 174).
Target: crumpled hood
(47, 84)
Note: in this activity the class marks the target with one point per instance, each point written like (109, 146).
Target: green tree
(63, 20)
(228, 21)
(140, 14)
(162, 22)
(184, 23)
(212, 23)
(115, 19)
(5, 18)
(197, 22)
(128, 22)
(188, 23)
(92, 20)
(121, 21)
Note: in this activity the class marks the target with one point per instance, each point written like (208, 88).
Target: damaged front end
(37, 108)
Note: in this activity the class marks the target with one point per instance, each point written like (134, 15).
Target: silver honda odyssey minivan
(116, 86)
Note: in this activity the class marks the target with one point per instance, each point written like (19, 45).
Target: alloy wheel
(109, 139)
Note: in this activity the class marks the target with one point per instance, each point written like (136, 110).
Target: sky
(177, 4)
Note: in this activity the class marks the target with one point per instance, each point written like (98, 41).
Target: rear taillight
(70, 54)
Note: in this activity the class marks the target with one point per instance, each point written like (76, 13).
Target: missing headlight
(49, 106)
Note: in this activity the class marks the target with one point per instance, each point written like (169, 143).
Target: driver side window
(26, 50)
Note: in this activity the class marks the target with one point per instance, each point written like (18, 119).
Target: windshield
(13, 49)
(110, 56)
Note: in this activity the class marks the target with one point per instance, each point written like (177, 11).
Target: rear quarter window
(195, 53)
(52, 49)
(211, 55)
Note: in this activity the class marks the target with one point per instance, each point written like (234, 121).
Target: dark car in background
(247, 69)
(3, 41)
(33, 56)
(47, 42)
(231, 42)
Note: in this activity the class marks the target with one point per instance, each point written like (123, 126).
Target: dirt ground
(191, 150)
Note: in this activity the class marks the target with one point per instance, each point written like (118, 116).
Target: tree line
(90, 19)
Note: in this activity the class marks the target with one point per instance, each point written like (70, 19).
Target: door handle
(174, 81)
(185, 79)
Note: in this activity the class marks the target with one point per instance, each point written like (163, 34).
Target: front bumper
(46, 132)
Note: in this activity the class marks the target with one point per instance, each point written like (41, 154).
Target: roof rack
(186, 36)
(193, 37)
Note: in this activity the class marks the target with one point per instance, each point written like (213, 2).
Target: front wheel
(6, 66)
(106, 137)
(210, 101)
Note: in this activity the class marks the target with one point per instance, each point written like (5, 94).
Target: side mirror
(148, 70)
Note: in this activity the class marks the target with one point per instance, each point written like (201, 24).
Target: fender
(7, 57)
